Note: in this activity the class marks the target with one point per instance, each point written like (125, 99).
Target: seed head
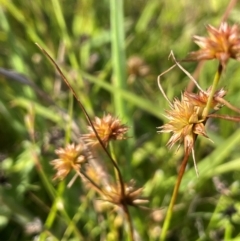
(108, 128)
(200, 99)
(223, 43)
(70, 157)
(132, 197)
(184, 122)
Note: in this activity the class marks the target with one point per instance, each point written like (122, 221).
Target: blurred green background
(79, 36)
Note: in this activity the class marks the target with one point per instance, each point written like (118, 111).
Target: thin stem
(214, 87)
(225, 117)
(160, 86)
(174, 196)
(227, 104)
(94, 185)
(77, 216)
(228, 231)
(53, 212)
(229, 8)
(114, 157)
(68, 129)
(88, 119)
(185, 71)
(195, 75)
(129, 220)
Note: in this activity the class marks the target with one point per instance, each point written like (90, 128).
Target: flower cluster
(71, 157)
(108, 128)
(185, 117)
(200, 99)
(131, 196)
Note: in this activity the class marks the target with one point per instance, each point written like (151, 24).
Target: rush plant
(80, 155)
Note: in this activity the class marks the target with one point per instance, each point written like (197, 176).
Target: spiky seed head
(132, 195)
(199, 100)
(108, 128)
(223, 43)
(70, 157)
(184, 123)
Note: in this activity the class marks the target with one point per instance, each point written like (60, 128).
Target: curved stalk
(88, 119)
(114, 158)
(93, 184)
(174, 196)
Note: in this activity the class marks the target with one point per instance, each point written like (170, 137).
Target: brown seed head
(223, 43)
(200, 99)
(71, 157)
(108, 128)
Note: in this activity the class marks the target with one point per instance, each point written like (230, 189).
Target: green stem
(174, 197)
(223, 199)
(52, 214)
(68, 125)
(214, 87)
(77, 217)
(125, 207)
(129, 220)
(228, 232)
(112, 152)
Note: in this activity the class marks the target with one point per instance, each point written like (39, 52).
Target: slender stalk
(129, 220)
(68, 129)
(227, 104)
(214, 87)
(71, 225)
(174, 197)
(225, 117)
(228, 10)
(228, 231)
(50, 189)
(77, 217)
(114, 158)
(53, 212)
(88, 119)
(94, 185)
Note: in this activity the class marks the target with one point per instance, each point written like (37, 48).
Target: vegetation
(120, 187)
